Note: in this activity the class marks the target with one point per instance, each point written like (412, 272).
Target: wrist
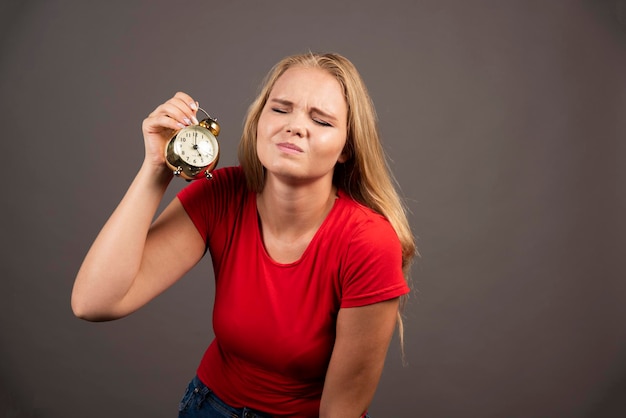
(158, 174)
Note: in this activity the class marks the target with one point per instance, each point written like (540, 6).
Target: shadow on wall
(612, 402)
(10, 407)
(612, 10)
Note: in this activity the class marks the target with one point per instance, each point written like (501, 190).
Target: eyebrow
(313, 109)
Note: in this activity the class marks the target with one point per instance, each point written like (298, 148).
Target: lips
(288, 146)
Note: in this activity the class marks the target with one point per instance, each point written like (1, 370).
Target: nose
(295, 130)
(295, 126)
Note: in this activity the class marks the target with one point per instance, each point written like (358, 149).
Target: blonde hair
(365, 176)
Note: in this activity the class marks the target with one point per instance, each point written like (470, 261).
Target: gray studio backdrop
(504, 122)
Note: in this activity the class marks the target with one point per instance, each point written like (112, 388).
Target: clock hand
(196, 148)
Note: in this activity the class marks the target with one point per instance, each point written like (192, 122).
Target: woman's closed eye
(321, 122)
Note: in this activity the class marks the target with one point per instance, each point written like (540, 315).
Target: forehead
(313, 86)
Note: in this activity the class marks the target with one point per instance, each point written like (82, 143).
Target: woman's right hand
(160, 125)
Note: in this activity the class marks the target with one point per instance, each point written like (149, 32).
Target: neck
(290, 210)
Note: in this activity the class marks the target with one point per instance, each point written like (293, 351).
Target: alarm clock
(193, 151)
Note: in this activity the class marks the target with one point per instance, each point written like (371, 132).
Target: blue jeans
(200, 402)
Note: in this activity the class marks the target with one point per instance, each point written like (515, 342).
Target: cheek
(334, 145)
(262, 142)
(259, 127)
(264, 128)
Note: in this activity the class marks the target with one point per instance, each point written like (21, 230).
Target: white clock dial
(196, 146)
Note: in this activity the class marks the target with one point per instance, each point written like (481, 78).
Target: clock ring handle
(206, 113)
(210, 123)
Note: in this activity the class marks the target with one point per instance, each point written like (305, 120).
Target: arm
(132, 260)
(363, 336)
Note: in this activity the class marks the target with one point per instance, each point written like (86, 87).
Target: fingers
(175, 114)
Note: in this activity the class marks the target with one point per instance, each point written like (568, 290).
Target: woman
(309, 241)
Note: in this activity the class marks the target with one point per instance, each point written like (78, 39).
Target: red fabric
(275, 323)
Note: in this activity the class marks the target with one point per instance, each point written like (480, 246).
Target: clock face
(196, 146)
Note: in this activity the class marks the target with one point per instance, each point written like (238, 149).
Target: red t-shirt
(275, 323)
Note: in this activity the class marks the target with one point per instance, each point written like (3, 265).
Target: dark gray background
(504, 122)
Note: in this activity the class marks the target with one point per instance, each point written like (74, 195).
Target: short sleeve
(209, 201)
(372, 266)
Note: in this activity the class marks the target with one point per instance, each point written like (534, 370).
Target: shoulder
(367, 236)
(225, 181)
(224, 176)
(371, 263)
(364, 225)
(209, 201)
(232, 174)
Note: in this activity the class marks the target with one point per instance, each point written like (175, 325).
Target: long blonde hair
(365, 176)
